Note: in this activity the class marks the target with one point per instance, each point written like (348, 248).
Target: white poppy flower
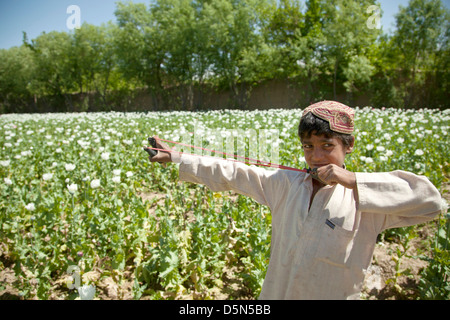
(30, 207)
(69, 166)
(95, 183)
(72, 188)
(105, 155)
(5, 163)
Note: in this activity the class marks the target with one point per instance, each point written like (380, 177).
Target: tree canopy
(170, 47)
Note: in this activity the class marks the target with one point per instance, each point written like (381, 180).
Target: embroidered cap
(339, 116)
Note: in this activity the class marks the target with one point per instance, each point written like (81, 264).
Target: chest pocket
(337, 227)
(335, 244)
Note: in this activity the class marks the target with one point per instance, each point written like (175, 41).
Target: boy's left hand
(332, 174)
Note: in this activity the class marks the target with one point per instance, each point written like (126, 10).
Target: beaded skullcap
(339, 116)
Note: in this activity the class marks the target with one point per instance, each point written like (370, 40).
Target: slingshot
(153, 151)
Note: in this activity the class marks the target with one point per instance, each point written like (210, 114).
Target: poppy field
(81, 206)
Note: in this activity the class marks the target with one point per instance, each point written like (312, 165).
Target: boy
(324, 224)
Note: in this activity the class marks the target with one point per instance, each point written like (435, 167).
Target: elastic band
(249, 160)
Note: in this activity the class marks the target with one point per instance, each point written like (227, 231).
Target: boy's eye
(310, 146)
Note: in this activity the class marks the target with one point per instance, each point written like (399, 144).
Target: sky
(36, 16)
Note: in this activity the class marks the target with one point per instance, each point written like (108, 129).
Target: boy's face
(322, 150)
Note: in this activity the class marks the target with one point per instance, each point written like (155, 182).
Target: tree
(421, 37)
(94, 59)
(140, 49)
(185, 43)
(54, 70)
(16, 69)
(313, 17)
(382, 86)
(348, 40)
(233, 29)
(281, 35)
(286, 19)
(307, 50)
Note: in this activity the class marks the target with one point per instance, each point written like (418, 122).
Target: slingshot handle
(151, 152)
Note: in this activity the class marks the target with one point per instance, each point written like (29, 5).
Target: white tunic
(322, 251)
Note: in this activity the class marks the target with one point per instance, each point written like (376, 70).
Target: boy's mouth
(318, 165)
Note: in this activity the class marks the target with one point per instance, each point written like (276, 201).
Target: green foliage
(434, 283)
(422, 43)
(177, 50)
(16, 69)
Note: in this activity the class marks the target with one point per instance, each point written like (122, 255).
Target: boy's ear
(350, 146)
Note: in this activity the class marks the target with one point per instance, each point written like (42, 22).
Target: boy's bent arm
(403, 197)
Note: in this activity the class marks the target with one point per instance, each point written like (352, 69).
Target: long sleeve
(400, 198)
(265, 186)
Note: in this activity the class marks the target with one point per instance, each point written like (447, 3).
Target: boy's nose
(317, 155)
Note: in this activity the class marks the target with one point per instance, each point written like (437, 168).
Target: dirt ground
(377, 284)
